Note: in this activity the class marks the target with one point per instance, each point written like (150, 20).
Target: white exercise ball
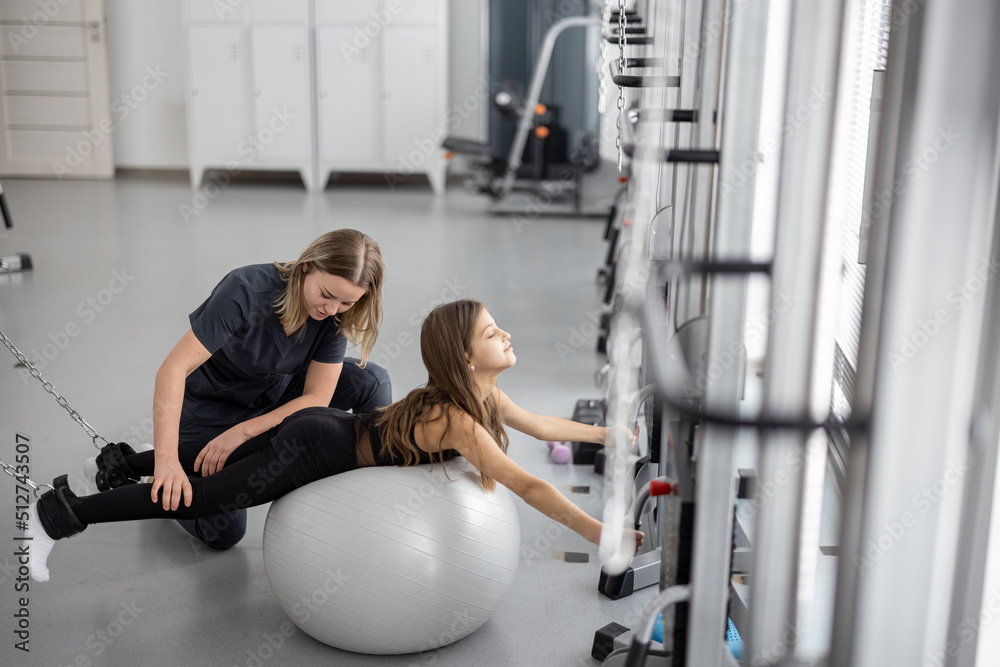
(388, 560)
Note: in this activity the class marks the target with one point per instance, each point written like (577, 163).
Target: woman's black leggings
(307, 446)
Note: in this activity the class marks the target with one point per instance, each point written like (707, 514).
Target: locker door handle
(95, 31)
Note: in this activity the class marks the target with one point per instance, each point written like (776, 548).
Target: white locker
(213, 11)
(409, 62)
(382, 72)
(348, 85)
(281, 97)
(249, 87)
(217, 120)
(287, 11)
(318, 86)
(355, 12)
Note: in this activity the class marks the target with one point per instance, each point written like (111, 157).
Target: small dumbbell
(559, 452)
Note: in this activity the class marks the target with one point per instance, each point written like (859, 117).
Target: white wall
(146, 38)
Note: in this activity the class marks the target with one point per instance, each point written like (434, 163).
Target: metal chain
(602, 61)
(622, 43)
(94, 436)
(12, 471)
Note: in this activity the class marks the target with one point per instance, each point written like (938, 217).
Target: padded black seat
(467, 147)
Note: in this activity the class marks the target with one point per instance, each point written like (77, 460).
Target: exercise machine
(11, 263)
(548, 183)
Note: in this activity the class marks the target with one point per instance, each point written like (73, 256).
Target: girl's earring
(472, 368)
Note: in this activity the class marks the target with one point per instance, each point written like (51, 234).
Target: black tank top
(384, 458)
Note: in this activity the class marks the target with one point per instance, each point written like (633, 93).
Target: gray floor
(117, 270)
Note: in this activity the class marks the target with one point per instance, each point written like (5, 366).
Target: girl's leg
(261, 477)
(309, 445)
(144, 462)
(303, 449)
(226, 528)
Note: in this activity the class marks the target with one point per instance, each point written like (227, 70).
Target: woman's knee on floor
(219, 531)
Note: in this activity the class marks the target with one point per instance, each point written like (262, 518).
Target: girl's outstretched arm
(474, 443)
(545, 427)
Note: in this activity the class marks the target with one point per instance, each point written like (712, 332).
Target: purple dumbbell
(559, 452)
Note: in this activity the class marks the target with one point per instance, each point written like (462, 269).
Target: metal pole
(811, 96)
(900, 571)
(970, 596)
(740, 116)
(535, 92)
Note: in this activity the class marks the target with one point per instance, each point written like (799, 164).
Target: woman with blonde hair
(460, 411)
(267, 342)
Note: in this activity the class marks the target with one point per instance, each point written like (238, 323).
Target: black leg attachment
(112, 470)
(56, 516)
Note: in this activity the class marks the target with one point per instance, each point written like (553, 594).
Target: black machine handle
(638, 81)
(4, 211)
(667, 115)
(690, 156)
(638, 39)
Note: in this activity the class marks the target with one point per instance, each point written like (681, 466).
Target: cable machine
(691, 75)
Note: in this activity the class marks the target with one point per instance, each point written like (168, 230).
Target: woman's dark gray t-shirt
(253, 362)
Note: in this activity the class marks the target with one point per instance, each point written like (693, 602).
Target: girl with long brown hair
(459, 411)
